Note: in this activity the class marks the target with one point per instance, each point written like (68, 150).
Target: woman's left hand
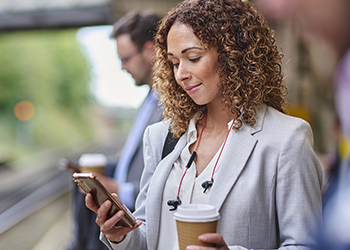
(216, 239)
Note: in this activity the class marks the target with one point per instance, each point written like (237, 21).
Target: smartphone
(89, 183)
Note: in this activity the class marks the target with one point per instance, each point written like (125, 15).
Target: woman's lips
(192, 89)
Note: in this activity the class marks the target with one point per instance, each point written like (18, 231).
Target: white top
(191, 189)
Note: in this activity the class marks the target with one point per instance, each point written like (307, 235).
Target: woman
(218, 74)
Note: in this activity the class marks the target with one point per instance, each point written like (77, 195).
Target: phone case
(89, 183)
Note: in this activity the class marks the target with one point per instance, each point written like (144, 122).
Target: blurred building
(38, 14)
(308, 65)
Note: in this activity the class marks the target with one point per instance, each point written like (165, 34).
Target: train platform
(35, 200)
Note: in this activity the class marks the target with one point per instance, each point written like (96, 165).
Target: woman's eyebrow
(185, 50)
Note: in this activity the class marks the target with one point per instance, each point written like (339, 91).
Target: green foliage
(48, 69)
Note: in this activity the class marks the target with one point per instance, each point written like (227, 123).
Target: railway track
(32, 200)
(28, 194)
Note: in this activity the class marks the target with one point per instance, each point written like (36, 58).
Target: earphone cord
(217, 160)
(193, 155)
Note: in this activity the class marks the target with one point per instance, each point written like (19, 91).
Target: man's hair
(141, 26)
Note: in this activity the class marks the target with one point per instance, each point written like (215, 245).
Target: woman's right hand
(115, 234)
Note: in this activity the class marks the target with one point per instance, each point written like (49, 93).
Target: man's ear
(148, 51)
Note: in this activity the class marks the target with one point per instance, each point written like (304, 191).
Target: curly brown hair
(249, 60)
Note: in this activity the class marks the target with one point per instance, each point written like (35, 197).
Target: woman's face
(195, 69)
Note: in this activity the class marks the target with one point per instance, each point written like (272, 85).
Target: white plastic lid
(196, 213)
(92, 160)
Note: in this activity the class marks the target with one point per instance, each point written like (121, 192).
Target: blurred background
(62, 94)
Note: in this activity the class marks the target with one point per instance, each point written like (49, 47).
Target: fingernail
(202, 238)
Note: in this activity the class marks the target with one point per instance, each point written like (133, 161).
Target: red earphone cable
(194, 152)
(212, 175)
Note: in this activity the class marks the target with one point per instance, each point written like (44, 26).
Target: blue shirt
(126, 189)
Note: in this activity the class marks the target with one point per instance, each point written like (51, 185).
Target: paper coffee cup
(193, 220)
(92, 163)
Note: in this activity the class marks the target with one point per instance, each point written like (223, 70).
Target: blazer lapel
(234, 160)
(231, 166)
(154, 198)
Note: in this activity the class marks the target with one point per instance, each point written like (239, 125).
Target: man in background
(134, 37)
(329, 20)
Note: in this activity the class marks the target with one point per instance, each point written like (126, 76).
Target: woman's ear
(148, 51)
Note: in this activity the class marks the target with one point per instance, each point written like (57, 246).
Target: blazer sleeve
(297, 183)
(152, 146)
(298, 190)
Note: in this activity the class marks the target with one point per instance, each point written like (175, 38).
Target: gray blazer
(267, 189)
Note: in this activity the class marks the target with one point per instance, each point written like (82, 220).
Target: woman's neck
(218, 118)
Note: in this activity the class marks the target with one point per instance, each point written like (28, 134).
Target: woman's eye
(194, 59)
(174, 64)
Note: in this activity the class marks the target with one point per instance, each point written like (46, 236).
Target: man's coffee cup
(193, 220)
(92, 163)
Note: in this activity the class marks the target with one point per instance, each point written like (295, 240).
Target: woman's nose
(182, 73)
